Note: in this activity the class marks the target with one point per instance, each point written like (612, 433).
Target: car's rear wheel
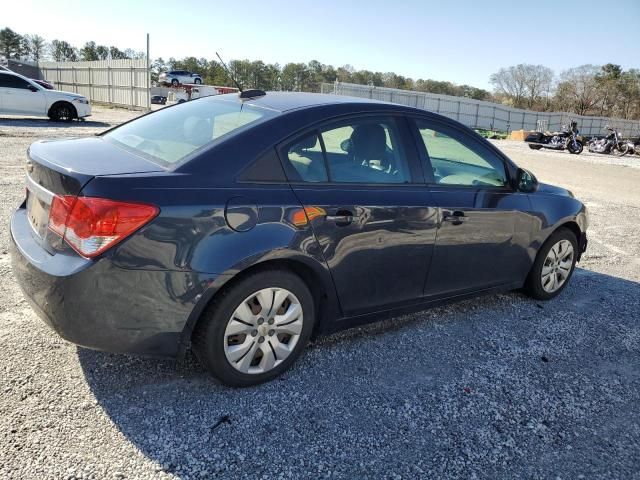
(255, 330)
(553, 266)
(62, 112)
(197, 81)
(174, 82)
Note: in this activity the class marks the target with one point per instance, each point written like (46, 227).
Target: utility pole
(148, 77)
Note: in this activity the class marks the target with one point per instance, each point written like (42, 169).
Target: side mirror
(527, 182)
(32, 88)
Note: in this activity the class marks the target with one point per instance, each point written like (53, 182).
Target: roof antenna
(229, 72)
(244, 94)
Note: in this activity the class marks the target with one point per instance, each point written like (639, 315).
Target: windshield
(169, 135)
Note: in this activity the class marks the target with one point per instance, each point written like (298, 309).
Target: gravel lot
(497, 387)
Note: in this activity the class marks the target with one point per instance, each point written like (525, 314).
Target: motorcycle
(612, 144)
(568, 139)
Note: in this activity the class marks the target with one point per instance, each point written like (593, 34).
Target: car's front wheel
(174, 82)
(256, 329)
(197, 81)
(553, 266)
(62, 112)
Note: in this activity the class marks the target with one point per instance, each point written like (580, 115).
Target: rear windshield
(169, 135)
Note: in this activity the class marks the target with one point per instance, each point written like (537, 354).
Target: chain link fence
(484, 115)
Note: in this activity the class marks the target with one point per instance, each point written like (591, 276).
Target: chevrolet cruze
(243, 225)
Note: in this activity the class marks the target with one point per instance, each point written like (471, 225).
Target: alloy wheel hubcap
(263, 330)
(557, 266)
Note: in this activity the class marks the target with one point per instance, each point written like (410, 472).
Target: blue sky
(460, 41)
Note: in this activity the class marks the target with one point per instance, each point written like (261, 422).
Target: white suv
(176, 77)
(21, 96)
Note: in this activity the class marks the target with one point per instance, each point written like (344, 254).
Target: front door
(483, 223)
(18, 99)
(360, 183)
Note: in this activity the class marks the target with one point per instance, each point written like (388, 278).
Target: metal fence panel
(115, 82)
(481, 114)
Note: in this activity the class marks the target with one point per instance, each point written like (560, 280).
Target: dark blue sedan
(243, 225)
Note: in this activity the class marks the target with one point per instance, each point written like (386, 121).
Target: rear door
(360, 182)
(17, 98)
(483, 227)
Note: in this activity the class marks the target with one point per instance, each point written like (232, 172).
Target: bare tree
(579, 87)
(523, 84)
(538, 80)
(511, 82)
(35, 46)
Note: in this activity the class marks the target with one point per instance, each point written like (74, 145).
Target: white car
(176, 77)
(22, 96)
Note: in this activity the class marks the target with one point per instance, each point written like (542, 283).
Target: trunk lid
(64, 167)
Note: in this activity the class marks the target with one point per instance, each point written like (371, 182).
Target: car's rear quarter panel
(187, 253)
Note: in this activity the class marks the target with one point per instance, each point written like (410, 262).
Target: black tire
(197, 81)
(208, 338)
(577, 150)
(533, 146)
(620, 152)
(174, 82)
(63, 112)
(533, 285)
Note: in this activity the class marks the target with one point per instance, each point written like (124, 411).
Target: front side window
(365, 151)
(11, 81)
(456, 163)
(169, 135)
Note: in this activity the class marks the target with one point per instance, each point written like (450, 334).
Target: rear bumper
(97, 305)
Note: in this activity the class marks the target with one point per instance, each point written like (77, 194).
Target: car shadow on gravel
(470, 387)
(46, 123)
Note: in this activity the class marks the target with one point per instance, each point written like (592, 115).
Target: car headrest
(305, 143)
(369, 141)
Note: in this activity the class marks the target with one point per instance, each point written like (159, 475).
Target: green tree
(89, 52)
(62, 51)
(11, 43)
(102, 52)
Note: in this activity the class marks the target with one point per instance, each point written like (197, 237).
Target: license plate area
(38, 204)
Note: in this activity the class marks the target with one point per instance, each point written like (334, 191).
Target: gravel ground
(497, 387)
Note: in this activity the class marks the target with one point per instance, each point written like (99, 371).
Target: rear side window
(306, 157)
(169, 135)
(365, 151)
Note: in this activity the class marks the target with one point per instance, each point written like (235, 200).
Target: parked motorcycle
(568, 139)
(612, 144)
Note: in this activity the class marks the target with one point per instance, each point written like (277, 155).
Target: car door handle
(341, 218)
(456, 218)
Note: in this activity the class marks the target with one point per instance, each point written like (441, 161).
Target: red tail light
(93, 225)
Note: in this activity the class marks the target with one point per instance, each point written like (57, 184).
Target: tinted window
(306, 157)
(458, 162)
(169, 135)
(11, 81)
(360, 151)
(366, 151)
